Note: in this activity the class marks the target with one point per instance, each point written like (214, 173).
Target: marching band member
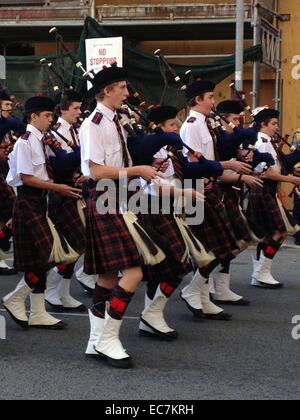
(263, 211)
(63, 210)
(110, 248)
(31, 173)
(216, 231)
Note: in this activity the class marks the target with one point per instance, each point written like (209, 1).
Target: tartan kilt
(109, 245)
(64, 214)
(172, 243)
(216, 232)
(231, 202)
(7, 200)
(32, 237)
(263, 212)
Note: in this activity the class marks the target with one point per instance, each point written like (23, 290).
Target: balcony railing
(167, 11)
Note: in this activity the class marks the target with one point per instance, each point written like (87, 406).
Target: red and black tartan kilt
(32, 237)
(231, 202)
(109, 245)
(64, 214)
(263, 212)
(171, 241)
(216, 232)
(7, 200)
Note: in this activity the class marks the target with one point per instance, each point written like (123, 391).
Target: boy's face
(170, 126)
(6, 108)
(73, 113)
(118, 94)
(207, 103)
(42, 121)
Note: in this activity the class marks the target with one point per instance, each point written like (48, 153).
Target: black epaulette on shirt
(264, 140)
(191, 120)
(26, 135)
(97, 118)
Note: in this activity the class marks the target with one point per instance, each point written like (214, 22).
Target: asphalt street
(252, 357)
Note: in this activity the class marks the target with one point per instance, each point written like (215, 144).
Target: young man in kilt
(228, 143)
(8, 127)
(63, 211)
(263, 211)
(216, 232)
(163, 279)
(7, 199)
(31, 173)
(110, 248)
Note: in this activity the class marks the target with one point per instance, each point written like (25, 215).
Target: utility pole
(239, 53)
(256, 66)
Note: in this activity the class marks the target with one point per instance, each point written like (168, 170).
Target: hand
(161, 165)
(81, 181)
(296, 181)
(241, 167)
(147, 173)
(252, 181)
(68, 191)
(297, 172)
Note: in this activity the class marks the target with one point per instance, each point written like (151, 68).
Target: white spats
(15, 301)
(192, 292)
(96, 325)
(222, 289)
(39, 318)
(58, 293)
(110, 346)
(152, 318)
(86, 281)
(262, 276)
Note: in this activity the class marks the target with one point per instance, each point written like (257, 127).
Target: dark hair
(28, 116)
(193, 102)
(259, 125)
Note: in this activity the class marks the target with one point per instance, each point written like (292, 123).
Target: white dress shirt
(100, 143)
(27, 158)
(64, 129)
(264, 145)
(196, 135)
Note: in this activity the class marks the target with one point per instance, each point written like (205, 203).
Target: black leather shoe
(8, 272)
(126, 363)
(87, 289)
(59, 326)
(241, 302)
(81, 309)
(222, 316)
(269, 286)
(172, 335)
(198, 313)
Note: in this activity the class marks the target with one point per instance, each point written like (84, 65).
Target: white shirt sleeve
(24, 163)
(93, 144)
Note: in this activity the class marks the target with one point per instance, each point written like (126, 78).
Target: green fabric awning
(25, 76)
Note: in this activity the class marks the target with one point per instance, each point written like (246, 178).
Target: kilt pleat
(263, 212)
(231, 202)
(173, 245)
(32, 237)
(109, 245)
(216, 232)
(64, 214)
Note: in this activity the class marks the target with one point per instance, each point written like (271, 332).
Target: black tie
(123, 143)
